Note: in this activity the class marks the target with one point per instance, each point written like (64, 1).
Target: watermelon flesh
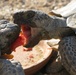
(23, 38)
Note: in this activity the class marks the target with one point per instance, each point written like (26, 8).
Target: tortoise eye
(9, 36)
(30, 14)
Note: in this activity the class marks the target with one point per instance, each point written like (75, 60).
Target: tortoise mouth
(24, 36)
(26, 30)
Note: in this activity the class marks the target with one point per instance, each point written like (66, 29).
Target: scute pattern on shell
(67, 48)
(10, 67)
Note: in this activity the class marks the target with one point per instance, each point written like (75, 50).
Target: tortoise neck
(65, 32)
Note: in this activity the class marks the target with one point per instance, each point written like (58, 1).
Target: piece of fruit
(23, 37)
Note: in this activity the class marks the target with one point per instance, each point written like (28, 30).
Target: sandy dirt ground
(8, 7)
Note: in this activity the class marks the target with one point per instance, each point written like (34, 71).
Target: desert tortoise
(51, 27)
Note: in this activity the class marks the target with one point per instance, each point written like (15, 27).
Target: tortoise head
(34, 19)
(24, 17)
(9, 32)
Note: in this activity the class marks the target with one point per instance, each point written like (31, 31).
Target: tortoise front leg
(67, 49)
(10, 67)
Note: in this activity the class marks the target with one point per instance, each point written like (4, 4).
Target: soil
(8, 7)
